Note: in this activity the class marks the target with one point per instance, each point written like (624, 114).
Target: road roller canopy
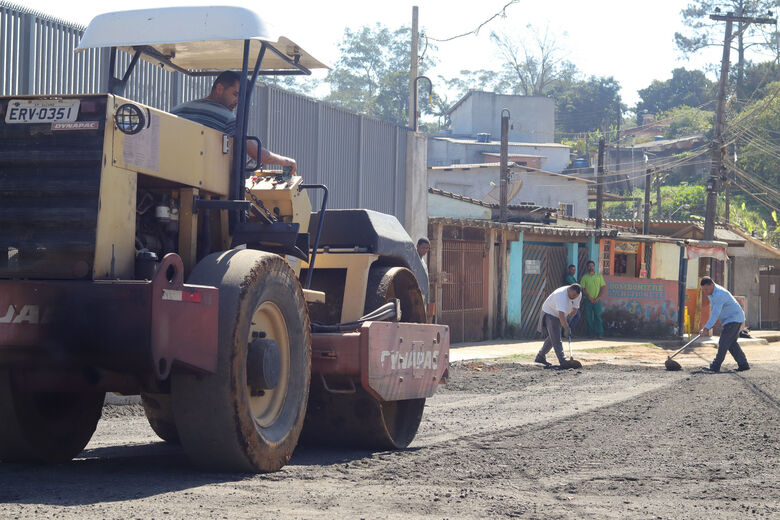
(198, 40)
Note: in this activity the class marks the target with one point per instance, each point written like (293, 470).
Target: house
(650, 279)
(542, 188)
(532, 118)
(474, 134)
(447, 204)
(627, 163)
(750, 269)
(489, 279)
(447, 150)
(480, 282)
(648, 130)
(753, 273)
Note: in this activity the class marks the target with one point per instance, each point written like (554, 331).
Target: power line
(501, 12)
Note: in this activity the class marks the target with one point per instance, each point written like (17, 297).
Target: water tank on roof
(483, 137)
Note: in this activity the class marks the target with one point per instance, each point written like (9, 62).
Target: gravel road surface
(500, 440)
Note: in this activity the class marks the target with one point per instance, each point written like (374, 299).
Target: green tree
(372, 73)
(758, 129)
(758, 76)
(685, 121)
(587, 105)
(301, 85)
(703, 32)
(683, 202)
(532, 66)
(481, 79)
(685, 87)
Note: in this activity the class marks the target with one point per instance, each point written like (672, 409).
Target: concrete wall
(532, 119)
(514, 314)
(416, 208)
(444, 151)
(665, 261)
(539, 188)
(747, 261)
(692, 276)
(440, 206)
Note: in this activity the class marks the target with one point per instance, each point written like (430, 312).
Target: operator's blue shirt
(723, 307)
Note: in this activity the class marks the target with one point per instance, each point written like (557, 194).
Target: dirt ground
(621, 438)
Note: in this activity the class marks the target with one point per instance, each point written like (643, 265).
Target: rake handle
(684, 346)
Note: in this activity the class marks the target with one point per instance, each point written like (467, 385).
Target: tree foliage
(758, 149)
(683, 202)
(586, 105)
(372, 74)
(758, 76)
(703, 32)
(685, 87)
(532, 66)
(685, 121)
(301, 85)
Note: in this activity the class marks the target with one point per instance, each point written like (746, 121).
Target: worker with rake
(557, 310)
(725, 308)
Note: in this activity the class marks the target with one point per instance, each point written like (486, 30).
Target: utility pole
(727, 213)
(600, 185)
(717, 144)
(658, 194)
(504, 186)
(617, 147)
(646, 212)
(413, 69)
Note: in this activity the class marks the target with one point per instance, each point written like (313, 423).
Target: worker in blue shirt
(725, 308)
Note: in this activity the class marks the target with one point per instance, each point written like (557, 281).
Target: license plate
(42, 110)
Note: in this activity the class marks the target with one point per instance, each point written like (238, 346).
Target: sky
(631, 41)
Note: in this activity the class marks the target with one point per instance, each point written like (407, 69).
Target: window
(625, 259)
(566, 209)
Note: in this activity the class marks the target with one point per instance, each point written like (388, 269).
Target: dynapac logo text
(416, 360)
(23, 314)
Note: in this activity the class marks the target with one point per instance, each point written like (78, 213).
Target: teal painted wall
(571, 250)
(515, 292)
(593, 251)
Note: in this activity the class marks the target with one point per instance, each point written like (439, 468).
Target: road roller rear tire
(359, 419)
(45, 427)
(223, 424)
(159, 412)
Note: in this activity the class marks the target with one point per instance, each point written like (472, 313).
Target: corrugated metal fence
(362, 160)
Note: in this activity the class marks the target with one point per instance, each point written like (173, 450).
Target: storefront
(633, 303)
(649, 280)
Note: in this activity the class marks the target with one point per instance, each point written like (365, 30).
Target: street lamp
(684, 206)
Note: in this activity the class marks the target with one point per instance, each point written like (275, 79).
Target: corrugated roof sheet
(449, 194)
(666, 143)
(527, 227)
(512, 167)
(470, 200)
(462, 140)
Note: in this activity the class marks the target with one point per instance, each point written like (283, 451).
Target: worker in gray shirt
(216, 111)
